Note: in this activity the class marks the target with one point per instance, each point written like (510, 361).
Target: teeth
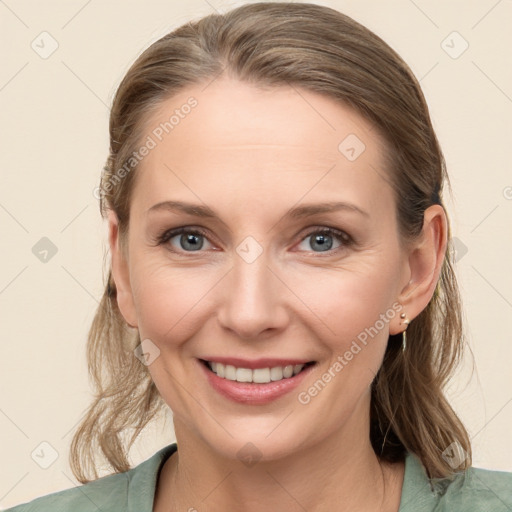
(276, 373)
(259, 375)
(230, 372)
(288, 371)
(243, 375)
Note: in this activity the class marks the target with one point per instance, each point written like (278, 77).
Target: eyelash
(345, 239)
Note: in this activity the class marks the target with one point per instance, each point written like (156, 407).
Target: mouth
(260, 375)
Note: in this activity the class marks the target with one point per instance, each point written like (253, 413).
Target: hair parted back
(321, 50)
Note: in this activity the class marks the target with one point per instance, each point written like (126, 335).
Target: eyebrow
(298, 212)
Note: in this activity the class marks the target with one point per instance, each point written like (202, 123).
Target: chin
(254, 446)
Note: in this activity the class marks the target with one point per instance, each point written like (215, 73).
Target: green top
(476, 490)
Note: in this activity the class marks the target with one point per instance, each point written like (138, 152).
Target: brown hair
(321, 50)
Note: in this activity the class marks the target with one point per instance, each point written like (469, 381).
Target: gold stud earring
(406, 321)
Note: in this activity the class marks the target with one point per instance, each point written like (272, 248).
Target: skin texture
(251, 155)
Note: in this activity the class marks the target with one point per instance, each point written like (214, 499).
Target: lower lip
(254, 394)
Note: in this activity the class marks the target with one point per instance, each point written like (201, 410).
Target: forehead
(230, 138)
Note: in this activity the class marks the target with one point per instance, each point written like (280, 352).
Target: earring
(406, 321)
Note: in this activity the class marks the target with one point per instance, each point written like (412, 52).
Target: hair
(324, 51)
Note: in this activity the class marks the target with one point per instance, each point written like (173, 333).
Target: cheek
(347, 301)
(353, 308)
(168, 299)
(356, 309)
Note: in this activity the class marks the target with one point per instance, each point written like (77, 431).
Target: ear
(424, 263)
(120, 272)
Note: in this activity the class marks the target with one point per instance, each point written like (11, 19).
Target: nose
(253, 299)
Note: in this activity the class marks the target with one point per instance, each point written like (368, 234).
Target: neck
(339, 473)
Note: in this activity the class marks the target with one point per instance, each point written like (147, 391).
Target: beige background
(54, 143)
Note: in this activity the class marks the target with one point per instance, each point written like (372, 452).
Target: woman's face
(263, 285)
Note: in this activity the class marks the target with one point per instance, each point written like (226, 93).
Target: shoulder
(93, 496)
(117, 492)
(475, 489)
(479, 489)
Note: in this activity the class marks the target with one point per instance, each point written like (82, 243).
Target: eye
(322, 239)
(186, 239)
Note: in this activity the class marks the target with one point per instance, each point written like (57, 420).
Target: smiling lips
(257, 372)
(254, 382)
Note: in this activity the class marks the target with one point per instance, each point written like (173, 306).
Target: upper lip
(256, 363)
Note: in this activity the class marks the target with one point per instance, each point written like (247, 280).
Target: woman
(279, 278)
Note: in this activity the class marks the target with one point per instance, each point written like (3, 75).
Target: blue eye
(323, 239)
(190, 240)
